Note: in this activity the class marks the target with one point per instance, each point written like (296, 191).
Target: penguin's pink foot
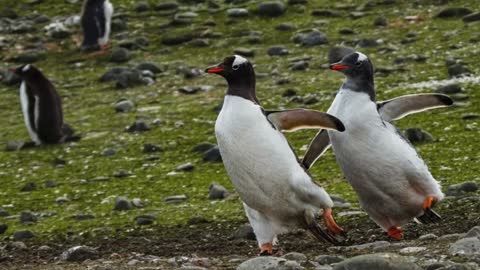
(429, 216)
(266, 249)
(395, 233)
(330, 222)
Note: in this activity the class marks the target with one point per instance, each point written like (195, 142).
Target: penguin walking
(277, 192)
(42, 108)
(391, 180)
(96, 20)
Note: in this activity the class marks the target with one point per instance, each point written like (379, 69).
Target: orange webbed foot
(266, 249)
(395, 233)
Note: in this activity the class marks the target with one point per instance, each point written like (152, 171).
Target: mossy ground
(88, 107)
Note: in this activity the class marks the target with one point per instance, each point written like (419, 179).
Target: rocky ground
(145, 187)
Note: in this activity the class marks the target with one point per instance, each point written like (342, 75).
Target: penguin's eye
(358, 63)
(235, 67)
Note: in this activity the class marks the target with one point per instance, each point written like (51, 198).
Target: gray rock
(122, 204)
(141, 6)
(452, 12)
(151, 66)
(120, 55)
(299, 65)
(458, 70)
(62, 199)
(217, 192)
(172, 6)
(50, 184)
(329, 259)
(28, 217)
(186, 167)
(326, 13)
(473, 17)
(197, 220)
(346, 31)
(244, 52)
(212, 155)
(109, 152)
(462, 188)
(81, 217)
(78, 254)
(175, 199)
(473, 232)
(417, 135)
(151, 148)
(23, 235)
(138, 126)
(177, 38)
(203, 147)
(13, 145)
(122, 173)
(269, 263)
(470, 116)
(10, 78)
(271, 8)
(311, 38)
(449, 89)
(285, 27)
(244, 232)
(465, 246)
(429, 236)
(30, 56)
(372, 245)
(296, 256)
(380, 21)
(237, 12)
(124, 105)
(277, 51)
(368, 43)
(44, 248)
(8, 12)
(3, 228)
(379, 261)
(16, 245)
(185, 18)
(30, 186)
(3, 212)
(450, 237)
(144, 220)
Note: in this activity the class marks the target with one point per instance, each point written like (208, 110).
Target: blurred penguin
(96, 19)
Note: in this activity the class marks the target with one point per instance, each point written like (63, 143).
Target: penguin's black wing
(291, 120)
(317, 147)
(400, 107)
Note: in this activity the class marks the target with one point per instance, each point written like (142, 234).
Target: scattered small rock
(151, 148)
(429, 236)
(120, 55)
(465, 246)
(141, 6)
(124, 105)
(329, 259)
(138, 126)
(186, 167)
(277, 51)
(268, 263)
(449, 89)
(144, 220)
(23, 235)
(462, 188)
(285, 27)
(377, 261)
(311, 38)
(81, 217)
(150, 66)
(473, 17)
(3, 212)
(380, 21)
(217, 192)
(28, 217)
(175, 199)
(296, 256)
(458, 70)
(271, 8)
(244, 232)
(78, 254)
(453, 12)
(237, 12)
(3, 228)
(197, 220)
(412, 250)
(417, 135)
(212, 155)
(16, 245)
(62, 199)
(122, 204)
(203, 147)
(109, 152)
(30, 186)
(244, 52)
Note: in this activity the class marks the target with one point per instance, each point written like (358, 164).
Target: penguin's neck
(243, 87)
(361, 84)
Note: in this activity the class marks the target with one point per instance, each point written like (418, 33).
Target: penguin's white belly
(380, 165)
(108, 12)
(24, 101)
(258, 159)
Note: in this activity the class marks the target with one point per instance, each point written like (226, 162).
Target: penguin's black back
(93, 22)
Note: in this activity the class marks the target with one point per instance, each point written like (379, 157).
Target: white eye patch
(26, 68)
(361, 56)
(238, 61)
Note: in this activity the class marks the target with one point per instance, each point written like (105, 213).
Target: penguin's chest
(256, 156)
(31, 112)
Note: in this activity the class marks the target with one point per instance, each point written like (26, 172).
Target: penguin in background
(42, 109)
(392, 182)
(96, 24)
(278, 194)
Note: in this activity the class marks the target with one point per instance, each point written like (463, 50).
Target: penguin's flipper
(400, 107)
(292, 120)
(317, 147)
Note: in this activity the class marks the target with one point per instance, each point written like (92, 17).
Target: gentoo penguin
(277, 192)
(391, 180)
(96, 19)
(42, 108)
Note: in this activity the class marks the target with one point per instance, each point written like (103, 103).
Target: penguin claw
(319, 233)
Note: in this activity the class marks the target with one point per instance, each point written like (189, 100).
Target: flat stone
(277, 51)
(144, 220)
(23, 235)
(473, 232)
(175, 199)
(285, 27)
(212, 155)
(269, 263)
(78, 254)
(217, 192)
(449, 89)
(372, 245)
(271, 8)
(326, 13)
(378, 261)
(244, 232)
(244, 52)
(186, 167)
(453, 12)
(296, 256)
(465, 246)
(462, 188)
(124, 105)
(151, 148)
(122, 204)
(429, 236)
(412, 250)
(119, 55)
(28, 217)
(312, 38)
(417, 135)
(81, 217)
(151, 66)
(329, 259)
(138, 126)
(237, 12)
(473, 17)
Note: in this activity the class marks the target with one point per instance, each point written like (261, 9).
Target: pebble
(78, 254)
(16, 245)
(449, 89)
(124, 105)
(30, 186)
(138, 126)
(237, 12)
(311, 38)
(452, 12)
(329, 259)
(412, 250)
(296, 256)
(277, 51)
(217, 192)
(244, 52)
(62, 199)
(203, 147)
(465, 246)
(473, 232)
(23, 235)
(377, 261)
(212, 155)
(144, 220)
(269, 263)
(186, 167)
(299, 65)
(417, 135)
(28, 217)
(244, 232)
(429, 236)
(175, 199)
(271, 8)
(285, 27)
(109, 152)
(151, 148)
(462, 188)
(119, 55)
(122, 204)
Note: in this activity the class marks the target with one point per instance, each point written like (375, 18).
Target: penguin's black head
(232, 67)
(24, 71)
(355, 66)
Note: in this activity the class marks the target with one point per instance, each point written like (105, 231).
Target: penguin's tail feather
(429, 216)
(69, 134)
(317, 231)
